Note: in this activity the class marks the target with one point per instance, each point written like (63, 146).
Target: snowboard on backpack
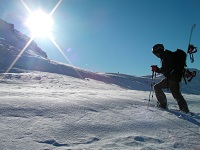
(180, 64)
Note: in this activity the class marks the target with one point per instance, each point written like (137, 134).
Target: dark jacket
(169, 68)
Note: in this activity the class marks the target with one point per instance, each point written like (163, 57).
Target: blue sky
(112, 35)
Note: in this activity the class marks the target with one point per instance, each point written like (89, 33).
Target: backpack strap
(184, 75)
(189, 74)
(192, 76)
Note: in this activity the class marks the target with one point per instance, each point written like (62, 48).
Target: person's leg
(175, 90)
(160, 95)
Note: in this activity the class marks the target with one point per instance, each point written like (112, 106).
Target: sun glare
(40, 24)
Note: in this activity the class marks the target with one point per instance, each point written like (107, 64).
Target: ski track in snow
(49, 111)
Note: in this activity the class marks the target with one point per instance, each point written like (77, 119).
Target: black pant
(175, 90)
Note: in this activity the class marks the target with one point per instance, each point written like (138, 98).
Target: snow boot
(161, 105)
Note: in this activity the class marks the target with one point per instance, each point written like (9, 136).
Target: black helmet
(158, 48)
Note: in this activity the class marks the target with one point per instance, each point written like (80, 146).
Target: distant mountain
(35, 59)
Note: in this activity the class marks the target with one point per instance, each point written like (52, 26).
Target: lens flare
(40, 24)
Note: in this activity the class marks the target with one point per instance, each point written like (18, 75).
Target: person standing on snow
(171, 80)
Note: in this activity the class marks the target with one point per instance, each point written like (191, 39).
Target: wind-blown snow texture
(65, 107)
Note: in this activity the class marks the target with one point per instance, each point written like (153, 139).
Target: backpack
(179, 57)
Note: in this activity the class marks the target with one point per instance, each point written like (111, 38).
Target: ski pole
(154, 79)
(151, 87)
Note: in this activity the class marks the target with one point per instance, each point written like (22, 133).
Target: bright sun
(40, 24)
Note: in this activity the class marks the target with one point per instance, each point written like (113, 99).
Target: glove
(154, 68)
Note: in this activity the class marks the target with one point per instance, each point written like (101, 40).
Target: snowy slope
(51, 111)
(46, 105)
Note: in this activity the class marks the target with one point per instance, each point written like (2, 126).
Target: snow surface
(46, 111)
(46, 105)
